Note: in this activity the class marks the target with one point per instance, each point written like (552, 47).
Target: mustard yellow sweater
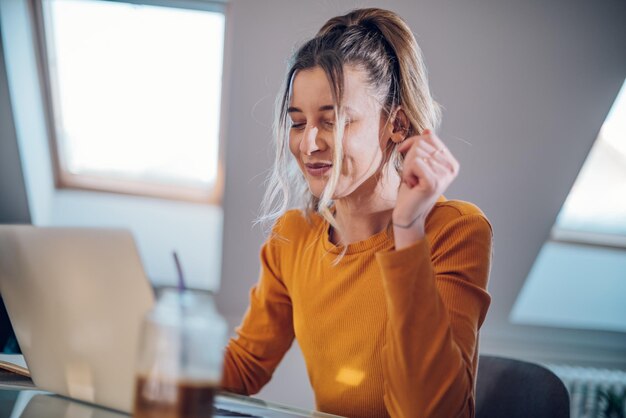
(384, 332)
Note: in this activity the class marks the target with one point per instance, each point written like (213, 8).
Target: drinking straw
(179, 270)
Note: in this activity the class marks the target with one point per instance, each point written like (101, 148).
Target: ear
(398, 126)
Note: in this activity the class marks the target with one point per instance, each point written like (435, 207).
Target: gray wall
(13, 203)
(527, 84)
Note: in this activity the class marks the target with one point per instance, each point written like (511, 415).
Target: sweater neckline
(375, 241)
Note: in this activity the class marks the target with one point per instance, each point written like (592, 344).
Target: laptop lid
(76, 298)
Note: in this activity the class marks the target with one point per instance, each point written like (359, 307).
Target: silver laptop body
(76, 298)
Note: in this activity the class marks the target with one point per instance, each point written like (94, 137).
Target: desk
(19, 399)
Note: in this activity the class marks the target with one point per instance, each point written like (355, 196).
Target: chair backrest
(518, 389)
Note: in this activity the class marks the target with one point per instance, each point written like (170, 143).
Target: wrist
(404, 222)
(408, 233)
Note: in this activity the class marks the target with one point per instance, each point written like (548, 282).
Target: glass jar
(180, 359)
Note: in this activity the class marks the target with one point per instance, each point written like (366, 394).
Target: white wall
(528, 84)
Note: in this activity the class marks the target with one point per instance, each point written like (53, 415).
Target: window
(134, 94)
(595, 209)
(578, 279)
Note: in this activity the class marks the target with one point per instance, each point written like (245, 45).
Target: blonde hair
(381, 44)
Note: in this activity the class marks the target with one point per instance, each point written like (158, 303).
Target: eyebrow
(324, 108)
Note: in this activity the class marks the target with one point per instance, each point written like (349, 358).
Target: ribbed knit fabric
(383, 332)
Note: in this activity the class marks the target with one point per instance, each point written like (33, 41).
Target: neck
(367, 211)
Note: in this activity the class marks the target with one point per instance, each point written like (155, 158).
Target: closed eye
(331, 123)
(300, 126)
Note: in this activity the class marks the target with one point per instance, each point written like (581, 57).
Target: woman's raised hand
(428, 169)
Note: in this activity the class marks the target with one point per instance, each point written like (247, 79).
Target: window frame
(63, 179)
(575, 237)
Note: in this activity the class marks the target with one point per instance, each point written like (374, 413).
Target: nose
(309, 145)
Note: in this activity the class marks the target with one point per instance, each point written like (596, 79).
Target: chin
(316, 191)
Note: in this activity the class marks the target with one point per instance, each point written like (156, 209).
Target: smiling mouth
(318, 165)
(317, 169)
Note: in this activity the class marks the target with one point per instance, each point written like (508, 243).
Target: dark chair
(507, 388)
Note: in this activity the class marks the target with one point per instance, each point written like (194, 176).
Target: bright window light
(136, 90)
(597, 202)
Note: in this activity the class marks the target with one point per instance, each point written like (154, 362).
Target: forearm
(264, 335)
(425, 372)
(233, 380)
(245, 373)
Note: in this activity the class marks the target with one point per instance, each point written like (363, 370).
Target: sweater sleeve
(436, 301)
(265, 334)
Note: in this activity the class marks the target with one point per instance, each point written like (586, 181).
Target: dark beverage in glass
(180, 361)
(167, 399)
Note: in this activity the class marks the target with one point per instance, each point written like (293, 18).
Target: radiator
(594, 393)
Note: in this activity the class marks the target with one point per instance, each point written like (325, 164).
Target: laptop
(76, 298)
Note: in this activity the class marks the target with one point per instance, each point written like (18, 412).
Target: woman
(379, 277)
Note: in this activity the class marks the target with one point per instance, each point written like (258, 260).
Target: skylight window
(596, 204)
(582, 286)
(135, 94)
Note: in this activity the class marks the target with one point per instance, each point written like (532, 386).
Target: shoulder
(456, 215)
(295, 224)
(289, 239)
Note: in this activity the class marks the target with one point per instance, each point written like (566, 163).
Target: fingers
(418, 140)
(418, 172)
(406, 144)
(444, 154)
(442, 169)
(428, 145)
(438, 156)
(427, 162)
(430, 175)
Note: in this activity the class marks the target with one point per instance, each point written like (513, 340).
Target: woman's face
(311, 137)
